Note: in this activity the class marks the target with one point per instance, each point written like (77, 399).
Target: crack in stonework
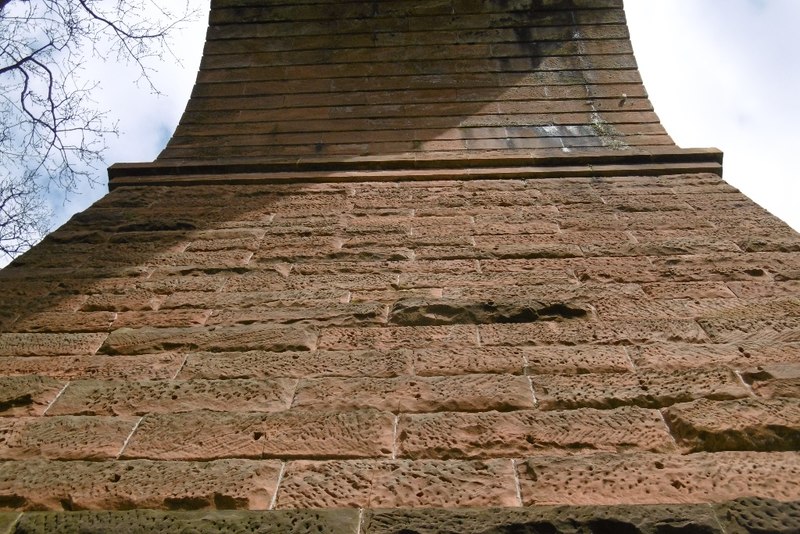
(127, 440)
(394, 437)
(56, 398)
(516, 481)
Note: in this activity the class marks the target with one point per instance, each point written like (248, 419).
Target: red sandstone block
(221, 339)
(397, 484)
(649, 389)
(141, 367)
(766, 288)
(548, 292)
(522, 433)
(91, 397)
(490, 280)
(350, 314)
(692, 290)
(417, 394)
(615, 270)
(775, 380)
(161, 319)
(766, 331)
(382, 267)
(398, 337)
(682, 355)
(227, 301)
(262, 364)
(578, 332)
(577, 359)
(132, 301)
(463, 361)
(63, 322)
(205, 435)
(27, 394)
(53, 485)
(647, 478)
(64, 438)
(736, 425)
(62, 344)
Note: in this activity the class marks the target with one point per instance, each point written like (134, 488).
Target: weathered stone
(522, 433)
(648, 389)
(759, 516)
(161, 319)
(27, 394)
(692, 290)
(81, 485)
(350, 314)
(399, 337)
(142, 367)
(64, 322)
(753, 330)
(540, 519)
(306, 364)
(205, 435)
(774, 380)
(417, 394)
(224, 522)
(398, 483)
(428, 312)
(90, 397)
(66, 344)
(64, 438)
(736, 425)
(292, 297)
(669, 356)
(578, 359)
(582, 332)
(219, 339)
(463, 361)
(648, 478)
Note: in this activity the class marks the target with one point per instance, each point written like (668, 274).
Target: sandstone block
(62, 344)
(648, 389)
(757, 515)
(80, 485)
(577, 359)
(428, 312)
(399, 483)
(684, 355)
(161, 319)
(256, 299)
(350, 314)
(308, 364)
(463, 361)
(91, 397)
(573, 519)
(27, 394)
(64, 438)
(522, 433)
(128, 341)
(209, 522)
(64, 322)
(691, 290)
(754, 330)
(417, 394)
(205, 435)
(736, 425)
(581, 332)
(398, 337)
(136, 300)
(648, 478)
(142, 367)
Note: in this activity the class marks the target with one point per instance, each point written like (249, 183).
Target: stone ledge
(734, 517)
(410, 167)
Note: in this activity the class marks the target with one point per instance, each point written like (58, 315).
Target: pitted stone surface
(205, 435)
(224, 522)
(62, 344)
(742, 424)
(64, 438)
(262, 364)
(148, 340)
(649, 389)
(466, 393)
(398, 483)
(398, 337)
(576, 360)
(540, 519)
(421, 312)
(91, 397)
(463, 361)
(647, 478)
(141, 367)
(523, 433)
(774, 380)
(759, 516)
(27, 394)
(80, 485)
(673, 356)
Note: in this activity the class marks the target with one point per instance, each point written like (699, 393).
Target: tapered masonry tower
(408, 266)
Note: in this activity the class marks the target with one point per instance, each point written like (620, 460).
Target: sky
(720, 73)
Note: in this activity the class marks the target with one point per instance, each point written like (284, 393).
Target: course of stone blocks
(580, 334)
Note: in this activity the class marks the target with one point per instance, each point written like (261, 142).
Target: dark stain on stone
(432, 312)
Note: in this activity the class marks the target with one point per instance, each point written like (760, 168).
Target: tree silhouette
(52, 134)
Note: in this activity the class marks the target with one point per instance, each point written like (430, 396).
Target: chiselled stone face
(514, 313)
